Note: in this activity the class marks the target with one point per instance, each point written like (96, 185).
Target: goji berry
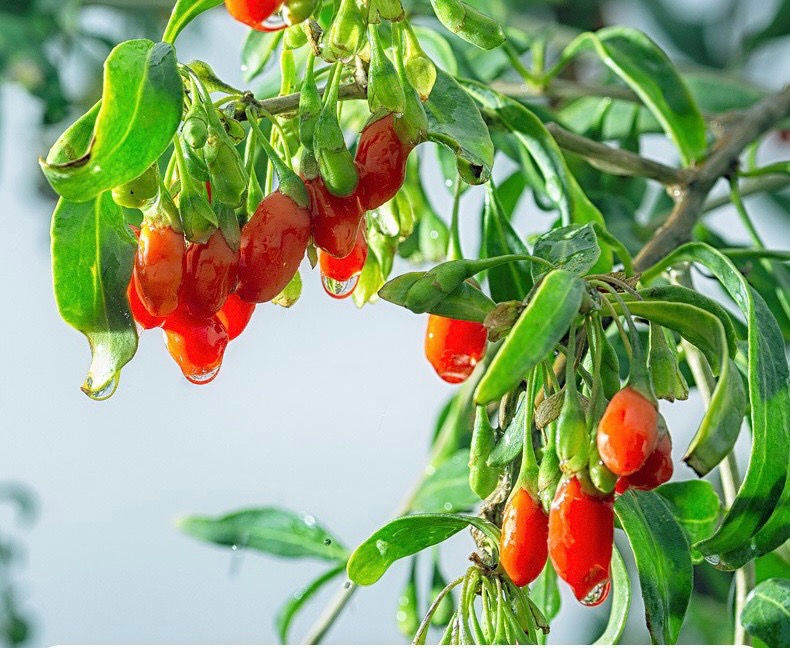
(581, 534)
(210, 271)
(627, 432)
(523, 543)
(197, 344)
(335, 221)
(235, 314)
(454, 347)
(273, 245)
(158, 268)
(253, 13)
(139, 311)
(381, 163)
(656, 470)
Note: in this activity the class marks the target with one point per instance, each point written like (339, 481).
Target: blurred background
(322, 408)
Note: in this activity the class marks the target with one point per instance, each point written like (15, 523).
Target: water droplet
(448, 506)
(713, 559)
(103, 392)
(243, 68)
(327, 541)
(203, 378)
(597, 595)
(339, 289)
(234, 547)
(308, 520)
(347, 585)
(274, 23)
(448, 183)
(400, 616)
(383, 546)
(434, 235)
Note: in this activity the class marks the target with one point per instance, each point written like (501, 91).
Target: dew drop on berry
(274, 23)
(597, 595)
(203, 378)
(339, 289)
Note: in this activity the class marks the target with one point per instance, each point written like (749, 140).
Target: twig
(618, 161)
(722, 161)
(762, 184)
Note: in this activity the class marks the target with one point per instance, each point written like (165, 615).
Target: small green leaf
(184, 12)
(298, 600)
(271, 530)
(454, 121)
(405, 537)
(639, 62)
(621, 603)
(92, 258)
(140, 111)
(540, 326)
(766, 614)
(574, 248)
(663, 559)
(695, 505)
(512, 441)
(447, 489)
(757, 520)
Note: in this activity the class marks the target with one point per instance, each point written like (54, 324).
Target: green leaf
(540, 326)
(574, 248)
(139, 114)
(545, 593)
(455, 121)
(76, 139)
(437, 48)
(92, 258)
(695, 505)
(447, 489)
(468, 23)
(257, 50)
(405, 537)
(764, 495)
(184, 12)
(512, 280)
(621, 603)
(512, 441)
(766, 614)
(663, 560)
(296, 602)
(271, 530)
(639, 62)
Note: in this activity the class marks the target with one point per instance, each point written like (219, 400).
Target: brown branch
(618, 161)
(723, 160)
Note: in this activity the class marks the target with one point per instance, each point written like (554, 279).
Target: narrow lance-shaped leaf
(663, 559)
(184, 12)
(455, 121)
(621, 603)
(288, 612)
(405, 537)
(639, 62)
(271, 530)
(540, 326)
(140, 111)
(447, 489)
(92, 257)
(757, 520)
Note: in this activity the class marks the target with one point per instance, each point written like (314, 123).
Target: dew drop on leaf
(383, 546)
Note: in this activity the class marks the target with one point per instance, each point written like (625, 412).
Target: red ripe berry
(454, 347)
(335, 220)
(523, 547)
(581, 533)
(139, 311)
(273, 245)
(158, 268)
(235, 315)
(627, 432)
(381, 163)
(210, 271)
(253, 13)
(197, 344)
(656, 470)
(340, 276)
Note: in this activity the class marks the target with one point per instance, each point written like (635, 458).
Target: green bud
(385, 92)
(668, 380)
(234, 129)
(469, 23)
(309, 105)
(197, 215)
(227, 173)
(446, 608)
(195, 128)
(420, 69)
(140, 192)
(412, 127)
(572, 437)
(549, 472)
(195, 164)
(387, 9)
(435, 285)
(335, 162)
(602, 478)
(408, 617)
(346, 36)
(483, 479)
(297, 11)
(294, 37)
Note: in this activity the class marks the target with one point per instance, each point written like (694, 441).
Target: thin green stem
(455, 251)
(522, 70)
